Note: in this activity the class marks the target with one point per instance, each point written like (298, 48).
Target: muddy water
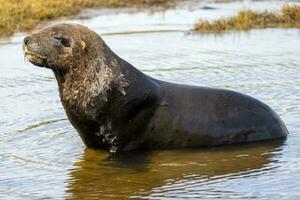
(42, 157)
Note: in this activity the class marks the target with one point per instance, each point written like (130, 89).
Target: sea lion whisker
(25, 58)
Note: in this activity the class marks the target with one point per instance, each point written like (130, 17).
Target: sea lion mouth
(36, 59)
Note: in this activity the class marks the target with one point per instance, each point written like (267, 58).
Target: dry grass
(287, 17)
(20, 15)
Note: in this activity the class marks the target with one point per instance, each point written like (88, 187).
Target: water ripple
(42, 156)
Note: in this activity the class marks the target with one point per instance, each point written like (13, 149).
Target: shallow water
(41, 155)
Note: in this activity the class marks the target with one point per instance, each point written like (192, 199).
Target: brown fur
(114, 106)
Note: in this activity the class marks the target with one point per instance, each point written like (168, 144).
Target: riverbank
(287, 17)
(23, 15)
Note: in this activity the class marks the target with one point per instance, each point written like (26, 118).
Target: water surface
(42, 156)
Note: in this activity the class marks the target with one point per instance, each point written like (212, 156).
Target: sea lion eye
(63, 40)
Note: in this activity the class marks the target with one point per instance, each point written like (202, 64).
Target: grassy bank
(287, 17)
(22, 15)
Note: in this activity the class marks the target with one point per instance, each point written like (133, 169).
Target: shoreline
(200, 26)
(23, 16)
(287, 17)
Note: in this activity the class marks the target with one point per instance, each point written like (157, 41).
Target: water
(42, 157)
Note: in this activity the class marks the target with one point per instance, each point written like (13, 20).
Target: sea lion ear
(83, 45)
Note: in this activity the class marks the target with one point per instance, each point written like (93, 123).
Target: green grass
(22, 15)
(287, 17)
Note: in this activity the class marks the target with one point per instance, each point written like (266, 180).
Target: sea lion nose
(26, 40)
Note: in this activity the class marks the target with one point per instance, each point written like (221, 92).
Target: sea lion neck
(100, 81)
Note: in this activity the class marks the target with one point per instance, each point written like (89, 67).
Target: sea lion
(114, 106)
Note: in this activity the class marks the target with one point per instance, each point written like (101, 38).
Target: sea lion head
(62, 47)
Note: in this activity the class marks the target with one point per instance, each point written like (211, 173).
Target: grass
(23, 15)
(287, 17)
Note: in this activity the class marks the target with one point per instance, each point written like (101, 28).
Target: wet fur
(116, 107)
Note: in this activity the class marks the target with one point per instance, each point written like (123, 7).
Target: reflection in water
(38, 146)
(135, 175)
